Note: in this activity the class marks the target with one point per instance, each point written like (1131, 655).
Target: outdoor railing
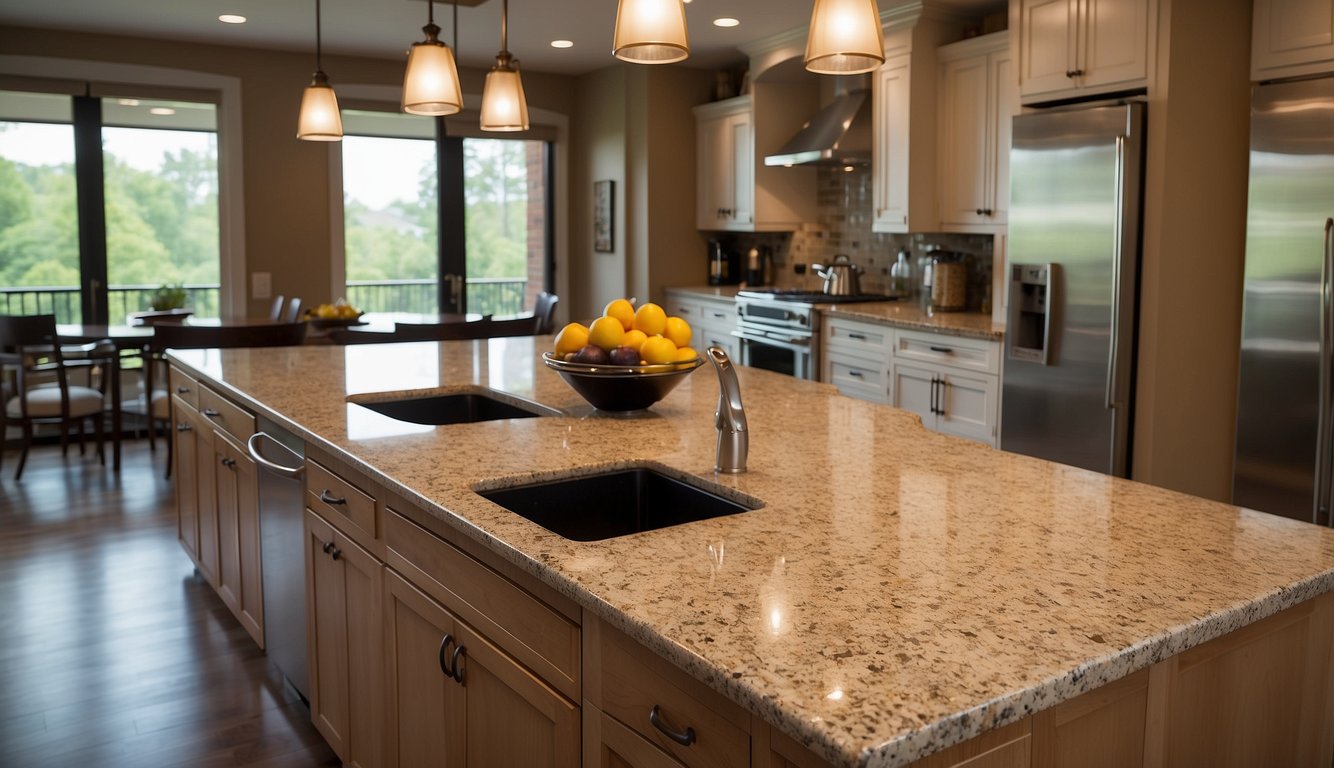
(499, 296)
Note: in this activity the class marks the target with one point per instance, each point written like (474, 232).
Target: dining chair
(276, 309)
(29, 348)
(544, 309)
(293, 313)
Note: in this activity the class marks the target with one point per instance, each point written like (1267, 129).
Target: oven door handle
(793, 343)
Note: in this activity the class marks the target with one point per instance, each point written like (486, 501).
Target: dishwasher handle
(252, 447)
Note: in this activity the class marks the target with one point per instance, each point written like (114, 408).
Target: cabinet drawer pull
(855, 374)
(329, 498)
(445, 642)
(684, 739)
(456, 671)
(209, 412)
(229, 463)
(719, 315)
(183, 427)
(942, 350)
(328, 545)
(335, 553)
(857, 336)
(182, 390)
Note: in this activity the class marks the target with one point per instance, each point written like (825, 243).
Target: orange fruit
(685, 354)
(633, 338)
(650, 319)
(678, 331)
(621, 310)
(571, 338)
(606, 332)
(658, 350)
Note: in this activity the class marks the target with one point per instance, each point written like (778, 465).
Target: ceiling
(385, 28)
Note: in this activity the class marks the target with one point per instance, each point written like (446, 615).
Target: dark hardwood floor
(113, 652)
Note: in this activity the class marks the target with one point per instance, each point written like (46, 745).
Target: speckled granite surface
(900, 591)
(909, 314)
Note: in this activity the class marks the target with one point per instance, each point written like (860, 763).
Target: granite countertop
(902, 314)
(900, 591)
(708, 291)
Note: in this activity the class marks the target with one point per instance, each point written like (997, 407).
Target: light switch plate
(261, 285)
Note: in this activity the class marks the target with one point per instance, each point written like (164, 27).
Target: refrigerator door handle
(1320, 506)
(1114, 338)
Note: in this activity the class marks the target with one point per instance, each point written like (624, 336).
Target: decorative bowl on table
(621, 387)
(335, 322)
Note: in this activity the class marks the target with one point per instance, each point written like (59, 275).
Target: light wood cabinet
(1292, 38)
(711, 319)
(609, 744)
(979, 97)
(344, 587)
(239, 572)
(185, 431)
(1071, 48)
(456, 699)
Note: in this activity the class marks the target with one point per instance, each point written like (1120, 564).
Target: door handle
(1320, 504)
(684, 738)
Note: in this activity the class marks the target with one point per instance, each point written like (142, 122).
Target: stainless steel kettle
(841, 277)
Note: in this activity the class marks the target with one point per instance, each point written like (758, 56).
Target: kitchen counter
(900, 591)
(909, 314)
(708, 291)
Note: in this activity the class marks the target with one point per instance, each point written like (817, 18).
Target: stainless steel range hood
(839, 134)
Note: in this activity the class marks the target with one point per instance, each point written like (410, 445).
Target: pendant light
(320, 119)
(651, 32)
(845, 37)
(503, 105)
(431, 82)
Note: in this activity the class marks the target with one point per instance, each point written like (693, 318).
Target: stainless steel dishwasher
(282, 468)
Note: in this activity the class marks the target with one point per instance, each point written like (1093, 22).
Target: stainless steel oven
(777, 335)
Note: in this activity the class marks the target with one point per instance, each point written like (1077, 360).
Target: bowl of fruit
(339, 314)
(626, 360)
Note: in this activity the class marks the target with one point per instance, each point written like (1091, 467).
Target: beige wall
(1194, 248)
(598, 138)
(287, 183)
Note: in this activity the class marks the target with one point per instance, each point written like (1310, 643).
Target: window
(145, 175)
(401, 181)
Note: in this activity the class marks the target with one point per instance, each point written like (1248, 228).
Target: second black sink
(449, 409)
(613, 504)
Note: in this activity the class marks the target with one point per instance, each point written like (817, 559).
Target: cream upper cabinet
(1071, 48)
(978, 99)
(890, 155)
(1292, 38)
(726, 172)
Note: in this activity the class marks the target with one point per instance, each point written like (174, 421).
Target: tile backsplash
(844, 226)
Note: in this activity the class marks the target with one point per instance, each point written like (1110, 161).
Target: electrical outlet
(261, 285)
(799, 268)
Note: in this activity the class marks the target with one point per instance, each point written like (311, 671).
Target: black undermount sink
(450, 409)
(612, 504)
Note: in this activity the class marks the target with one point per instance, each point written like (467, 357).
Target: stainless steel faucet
(733, 438)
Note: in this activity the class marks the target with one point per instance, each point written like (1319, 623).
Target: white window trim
(231, 186)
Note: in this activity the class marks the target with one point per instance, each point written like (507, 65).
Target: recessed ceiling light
(231, 18)
(725, 21)
(562, 43)
(161, 111)
(128, 102)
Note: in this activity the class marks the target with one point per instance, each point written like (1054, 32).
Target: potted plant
(167, 305)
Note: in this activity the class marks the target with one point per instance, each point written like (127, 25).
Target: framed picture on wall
(604, 227)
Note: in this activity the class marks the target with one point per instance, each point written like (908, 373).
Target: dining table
(103, 345)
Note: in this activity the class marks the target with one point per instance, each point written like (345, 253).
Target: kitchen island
(899, 592)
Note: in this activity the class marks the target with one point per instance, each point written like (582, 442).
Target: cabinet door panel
(206, 482)
(242, 508)
(912, 391)
(512, 717)
(326, 601)
(1294, 34)
(889, 167)
(1047, 48)
(185, 435)
(612, 745)
(969, 406)
(713, 186)
(424, 724)
(1116, 42)
(1003, 90)
(742, 146)
(226, 493)
(964, 147)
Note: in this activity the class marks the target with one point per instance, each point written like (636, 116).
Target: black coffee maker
(724, 264)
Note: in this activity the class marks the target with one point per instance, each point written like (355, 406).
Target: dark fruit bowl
(621, 387)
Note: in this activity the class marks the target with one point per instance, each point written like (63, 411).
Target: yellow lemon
(686, 354)
(606, 332)
(571, 338)
(621, 310)
(650, 319)
(658, 350)
(678, 331)
(633, 338)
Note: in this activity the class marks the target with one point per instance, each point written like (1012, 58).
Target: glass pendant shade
(504, 107)
(845, 37)
(651, 31)
(431, 83)
(320, 119)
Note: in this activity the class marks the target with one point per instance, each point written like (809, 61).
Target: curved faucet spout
(733, 437)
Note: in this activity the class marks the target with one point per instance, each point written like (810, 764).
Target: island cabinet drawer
(534, 633)
(955, 351)
(865, 339)
(183, 386)
(346, 506)
(859, 378)
(688, 309)
(226, 416)
(666, 706)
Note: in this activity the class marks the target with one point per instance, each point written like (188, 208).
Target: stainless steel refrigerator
(1075, 190)
(1283, 454)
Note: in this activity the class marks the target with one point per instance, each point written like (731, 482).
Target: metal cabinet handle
(182, 390)
(209, 412)
(252, 447)
(329, 498)
(933, 396)
(335, 553)
(444, 648)
(857, 336)
(684, 738)
(183, 427)
(977, 211)
(942, 350)
(855, 374)
(456, 671)
(720, 315)
(328, 545)
(228, 463)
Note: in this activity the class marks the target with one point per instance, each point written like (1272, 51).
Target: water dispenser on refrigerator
(1029, 328)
